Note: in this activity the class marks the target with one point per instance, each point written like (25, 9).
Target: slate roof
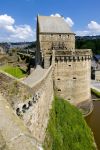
(49, 24)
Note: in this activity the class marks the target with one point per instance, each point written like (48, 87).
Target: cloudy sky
(18, 17)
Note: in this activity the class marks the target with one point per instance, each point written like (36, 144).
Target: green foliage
(67, 129)
(93, 44)
(95, 92)
(14, 71)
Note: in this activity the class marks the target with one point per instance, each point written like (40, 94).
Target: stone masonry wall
(49, 41)
(72, 76)
(31, 104)
(13, 90)
(46, 41)
(72, 80)
(37, 115)
(97, 75)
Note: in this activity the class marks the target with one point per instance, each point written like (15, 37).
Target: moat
(93, 121)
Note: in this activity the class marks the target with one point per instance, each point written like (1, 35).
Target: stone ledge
(86, 107)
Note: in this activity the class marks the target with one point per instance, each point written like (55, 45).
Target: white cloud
(68, 20)
(9, 29)
(93, 28)
(6, 20)
(56, 15)
(10, 32)
(22, 32)
(82, 33)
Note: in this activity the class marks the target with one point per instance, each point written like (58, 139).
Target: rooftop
(49, 24)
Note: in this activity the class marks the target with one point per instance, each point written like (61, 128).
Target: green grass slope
(14, 71)
(95, 92)
(67, 129)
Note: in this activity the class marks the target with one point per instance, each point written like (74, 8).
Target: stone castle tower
(72, 67)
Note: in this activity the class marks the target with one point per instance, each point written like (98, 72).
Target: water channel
(93, 120)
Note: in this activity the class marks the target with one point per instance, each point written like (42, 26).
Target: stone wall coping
(47, 71)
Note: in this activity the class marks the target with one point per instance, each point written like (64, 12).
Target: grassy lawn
(14, 71)
(95, 92)
(67, 129)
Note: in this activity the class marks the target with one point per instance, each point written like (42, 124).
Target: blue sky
(18, 17)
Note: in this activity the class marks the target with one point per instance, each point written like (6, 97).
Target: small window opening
(24, 106)
(59, 89)
(30, 103)
(58, 79)
(74, 78)
(69, 99)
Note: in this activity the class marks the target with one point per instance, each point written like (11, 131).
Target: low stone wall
(31, 104)
(36, 109)
(14, 135)
(13, 90)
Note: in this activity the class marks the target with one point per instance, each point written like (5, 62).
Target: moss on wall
(67, 129)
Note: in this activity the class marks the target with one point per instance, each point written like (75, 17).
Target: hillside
(67, 129)
(89, 42)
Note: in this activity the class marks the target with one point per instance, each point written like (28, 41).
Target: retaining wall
(31, 104)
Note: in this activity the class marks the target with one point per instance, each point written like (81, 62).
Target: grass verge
(14, 71)
(67, 129)
(95, 92)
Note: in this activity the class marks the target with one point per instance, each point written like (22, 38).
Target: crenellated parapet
(77, 52)
(83, 52)
(77, 55)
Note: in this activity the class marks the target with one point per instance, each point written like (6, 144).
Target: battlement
(77, 52)
(77, 55)
(83, 52)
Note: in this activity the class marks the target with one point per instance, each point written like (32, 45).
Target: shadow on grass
(23, 71)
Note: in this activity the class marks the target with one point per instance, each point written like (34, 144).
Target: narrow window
(24, 106)
(30, 103)
(74, 78)
(58, 79)
(69, 99)
(59, 89)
